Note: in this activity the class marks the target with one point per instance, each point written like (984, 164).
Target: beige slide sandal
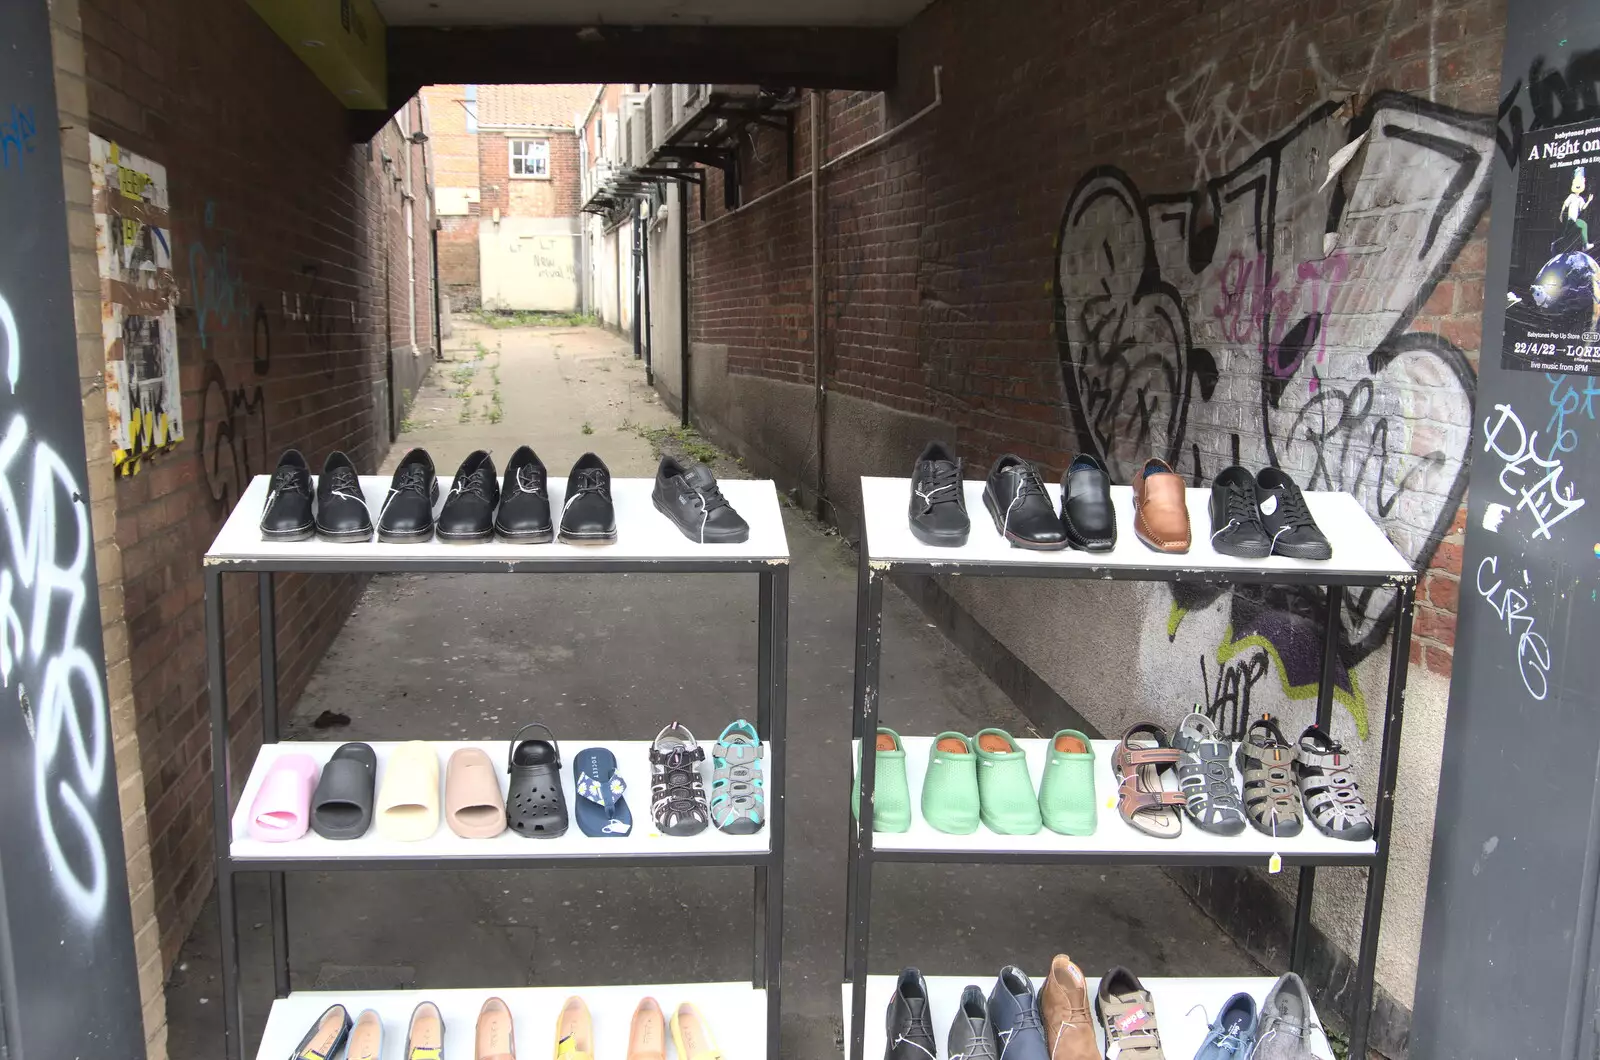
(496, 1039)
(647, 1037)
(408, 801)
(474, 808)
(574, 1031)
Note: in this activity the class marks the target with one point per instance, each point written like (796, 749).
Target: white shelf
(1183, 1027)
(1360, 548)
(632, 762)
(737, 1013)
(643, 534)
(1112, 838)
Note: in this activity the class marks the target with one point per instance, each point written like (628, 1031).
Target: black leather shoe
(1286, 518)
(287, 514)
(468, 512)
(587, 517)
(407, 513)
(938, 502)
(1236, 528)
(1086, 512)
(1020, 505)
(688, 495)
(341, 506)
(524, 515)
(909, 1022)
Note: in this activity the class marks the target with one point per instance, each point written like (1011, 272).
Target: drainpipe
(638, 325)
(649, 339)
(683, 294)
(818, 375)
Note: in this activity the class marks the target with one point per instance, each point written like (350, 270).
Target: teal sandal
(738, 798)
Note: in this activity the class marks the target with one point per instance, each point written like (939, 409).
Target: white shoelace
(903, 1040)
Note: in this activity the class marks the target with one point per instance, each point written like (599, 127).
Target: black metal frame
(873, 573)
(772, 665)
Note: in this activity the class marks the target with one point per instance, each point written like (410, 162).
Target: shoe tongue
(699, 476)
(916, 1006)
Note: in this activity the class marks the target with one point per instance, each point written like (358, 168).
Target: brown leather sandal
(1144, 753)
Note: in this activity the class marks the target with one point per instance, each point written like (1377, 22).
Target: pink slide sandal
(282, 810)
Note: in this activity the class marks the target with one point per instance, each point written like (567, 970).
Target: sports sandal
(1205, 776)
(326, 1036)
(1127, 1014)
(574, 1031)
(677, 792)
(535, 806)
(738, 803)
(692, 1035)
(341, 808)
(1142, 755)
(1266, 759)
(1327, 788)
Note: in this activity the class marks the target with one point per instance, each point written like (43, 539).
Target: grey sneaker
(971, 1037)
(1014, 1015)
(738, 803)
(1285, 1027)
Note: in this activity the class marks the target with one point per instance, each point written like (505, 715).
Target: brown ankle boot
(1064, 1007)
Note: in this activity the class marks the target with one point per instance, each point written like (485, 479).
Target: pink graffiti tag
(1252, 300)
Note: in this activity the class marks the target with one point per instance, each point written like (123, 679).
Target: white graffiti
(1543, 498)
(1533, 653)
(43, 596)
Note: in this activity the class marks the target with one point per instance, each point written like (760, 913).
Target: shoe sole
(742, 537)
(928, 537)
(531, 537)
(406, 537)
(1017, 542)
(1091, 546)
(1243, 553)
(571, 539)
(1304, 552)
(301, 533)
(345, 537)
(476, 537)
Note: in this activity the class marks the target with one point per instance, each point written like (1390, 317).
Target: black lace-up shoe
(688, 495)
(587, 517)
(1022, 511)
(1286, 518)
(407, 513)
(1236, 528)
(938, 505)
(287, 514)
(524, 515)
(971, 1037)
(909, 1022)
(1014, 1016)
(468, 513)
(342, 513)
(1086, 511)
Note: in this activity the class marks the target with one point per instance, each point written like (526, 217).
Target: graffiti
(1228, 702)
(1567, 400)
(45, 588)
(1533, 653)
(217, 289)
(1264, 318)
(16, 136)
(1555, 97)
(233, 432)
(318, 315)
(1544, 499)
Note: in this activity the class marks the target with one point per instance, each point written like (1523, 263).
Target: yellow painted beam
(342, 41)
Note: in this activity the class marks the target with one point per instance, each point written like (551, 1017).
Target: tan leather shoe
(647, 1038)
(574, 1031)
(1064, 1007)
(366, 1040)
(1160, 507)
(497, 1039)
(425, 1039)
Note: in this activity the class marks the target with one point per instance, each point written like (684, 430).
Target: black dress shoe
(938, 502)
(407, 513)
(587, 517)
(688, 495)
(1286, 518)
(909, 1023)
(1020, 505)
(287, 514)
(468, 512)
(341, 506)
(1086, 512)
(524, 515)
(1236, 528)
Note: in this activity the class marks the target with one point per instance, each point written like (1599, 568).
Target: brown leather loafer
(1160, 507)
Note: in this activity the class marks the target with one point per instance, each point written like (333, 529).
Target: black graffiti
(261, 341)
(1555, 97)
(1228, 702)
(320, 325)
(233, 426)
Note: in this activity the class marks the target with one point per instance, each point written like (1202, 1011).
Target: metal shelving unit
(1362, 556)
(647, 544)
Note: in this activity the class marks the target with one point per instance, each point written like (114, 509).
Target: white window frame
(536, 151)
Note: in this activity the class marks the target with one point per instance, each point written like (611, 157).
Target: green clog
(891, 795)
(1066, 795)
(1006, 799)
(950, 787)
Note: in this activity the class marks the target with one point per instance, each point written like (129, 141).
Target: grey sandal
(738, 802)
(1205, 776)
(1323, 771)
(1270, 800)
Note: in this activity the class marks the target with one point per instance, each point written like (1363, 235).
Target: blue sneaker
(1233, 1034)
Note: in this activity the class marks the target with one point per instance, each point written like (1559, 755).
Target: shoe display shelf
(1362, 557)
(745, 1016)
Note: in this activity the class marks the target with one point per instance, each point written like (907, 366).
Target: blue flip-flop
(601, 810)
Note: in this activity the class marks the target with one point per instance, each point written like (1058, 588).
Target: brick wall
(455, 154)
(558, 196)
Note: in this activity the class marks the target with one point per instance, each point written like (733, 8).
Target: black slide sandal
(535, 806)
(341, 807)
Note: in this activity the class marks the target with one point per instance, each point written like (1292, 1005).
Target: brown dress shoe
(647, 1037)
(1160, 507)
(1064, 1007)
(497, 1039)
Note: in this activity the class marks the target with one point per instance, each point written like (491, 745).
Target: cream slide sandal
(408, 800)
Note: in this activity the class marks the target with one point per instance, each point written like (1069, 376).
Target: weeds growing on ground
(587, 428)
(686, 439)
(526, 319)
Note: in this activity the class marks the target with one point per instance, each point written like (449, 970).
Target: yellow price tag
(1274, 865)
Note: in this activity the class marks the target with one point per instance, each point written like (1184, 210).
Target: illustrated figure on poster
(1569, 284)
(1574, 206)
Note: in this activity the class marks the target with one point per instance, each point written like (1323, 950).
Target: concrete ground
(474, 656)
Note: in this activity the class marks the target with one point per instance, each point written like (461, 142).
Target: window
(530, 158)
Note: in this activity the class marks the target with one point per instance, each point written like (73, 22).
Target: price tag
(1274, 865)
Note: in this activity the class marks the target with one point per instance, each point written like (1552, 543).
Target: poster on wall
(1553, 303)
(137, 298)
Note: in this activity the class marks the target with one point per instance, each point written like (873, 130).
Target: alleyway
(458, 657)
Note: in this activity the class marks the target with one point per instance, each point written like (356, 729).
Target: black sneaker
(468, 513)
(908, 1021)
(1286, 518)
(688, 495)
(938, 504)
(407, 513)
(1236, 528)
(287, 514)
(587, 517)
(342, 513)
(524, 515)
(1022, 511)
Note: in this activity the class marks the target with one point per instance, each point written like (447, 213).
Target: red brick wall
(455, 154)
(559, 196)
